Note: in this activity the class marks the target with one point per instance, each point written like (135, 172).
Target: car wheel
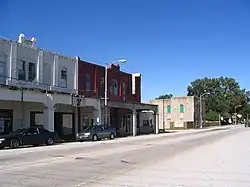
(95, 137)
(50, 141)
(112, 136)
(14, 143)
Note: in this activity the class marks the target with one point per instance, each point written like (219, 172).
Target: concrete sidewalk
(178, 132)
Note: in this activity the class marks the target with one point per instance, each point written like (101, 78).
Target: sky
(170, 42)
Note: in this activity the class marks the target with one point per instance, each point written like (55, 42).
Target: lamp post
(122, 61)
(235, 110)
(201, 124)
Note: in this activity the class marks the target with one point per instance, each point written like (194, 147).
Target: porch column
(134, 123)
(48, 118)
(76, 119)
(156, 123)
(55, 70)
(11, 65)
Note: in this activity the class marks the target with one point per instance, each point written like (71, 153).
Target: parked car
(96, 132)
(31, 136)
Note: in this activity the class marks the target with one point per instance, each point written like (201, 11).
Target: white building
(36, 87)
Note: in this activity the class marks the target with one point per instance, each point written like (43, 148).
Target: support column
(76, 119)
(39, 67)
(55, 71)
(48, 118)
(157, 123)
(134, 123)
(11, 66)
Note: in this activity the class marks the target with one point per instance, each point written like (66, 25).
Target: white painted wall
(48, 67)
(28, 107)
(17, 112)
(34, 96)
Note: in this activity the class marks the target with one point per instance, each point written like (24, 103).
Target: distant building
(179, 112)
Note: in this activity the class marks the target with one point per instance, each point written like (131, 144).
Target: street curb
(177, 133)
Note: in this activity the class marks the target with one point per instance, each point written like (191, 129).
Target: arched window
(115, 86)
(63, 81)
(88, 82)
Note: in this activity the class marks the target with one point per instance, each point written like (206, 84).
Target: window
(31, 131)
(145, 123)
(64, 74)
(2, 69)
(88, 82)
(111, 89)
(43, 131)
(2, 66)
(32, 71)
(169, 109)
(21, 70)
(101, 89)
(102, 82)
(63, 81)
(115, 86)
(2, 72)
(181, 108)
(100, 128)
(124, 88)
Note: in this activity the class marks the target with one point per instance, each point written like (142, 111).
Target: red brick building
(120, 84)
(123, 91)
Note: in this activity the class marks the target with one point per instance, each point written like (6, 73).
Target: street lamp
(235, 110)
(201, 124)
(121, 61)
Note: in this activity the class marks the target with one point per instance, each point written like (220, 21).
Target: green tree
(166, 96)
(225, 95)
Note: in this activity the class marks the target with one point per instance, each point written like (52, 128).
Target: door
(106, 132)
(6, 121)
(30, 137)
(101, 132)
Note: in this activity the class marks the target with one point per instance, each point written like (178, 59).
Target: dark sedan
(31, 136)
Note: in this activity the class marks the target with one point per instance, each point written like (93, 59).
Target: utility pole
(163, 115)
(106, 96)
(219, 119)
(235, 110)
(247, 121)
(201, 113)
(22, 108)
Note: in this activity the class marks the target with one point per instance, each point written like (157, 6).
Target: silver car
(96, 132)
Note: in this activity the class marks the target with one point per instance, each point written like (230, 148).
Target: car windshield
(92, 127)
(88, 128)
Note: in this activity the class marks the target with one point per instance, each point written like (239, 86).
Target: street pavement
(218, 157)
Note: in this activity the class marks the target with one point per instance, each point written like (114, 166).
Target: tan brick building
(178, 112)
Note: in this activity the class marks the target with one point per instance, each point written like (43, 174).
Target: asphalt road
(122, 162)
